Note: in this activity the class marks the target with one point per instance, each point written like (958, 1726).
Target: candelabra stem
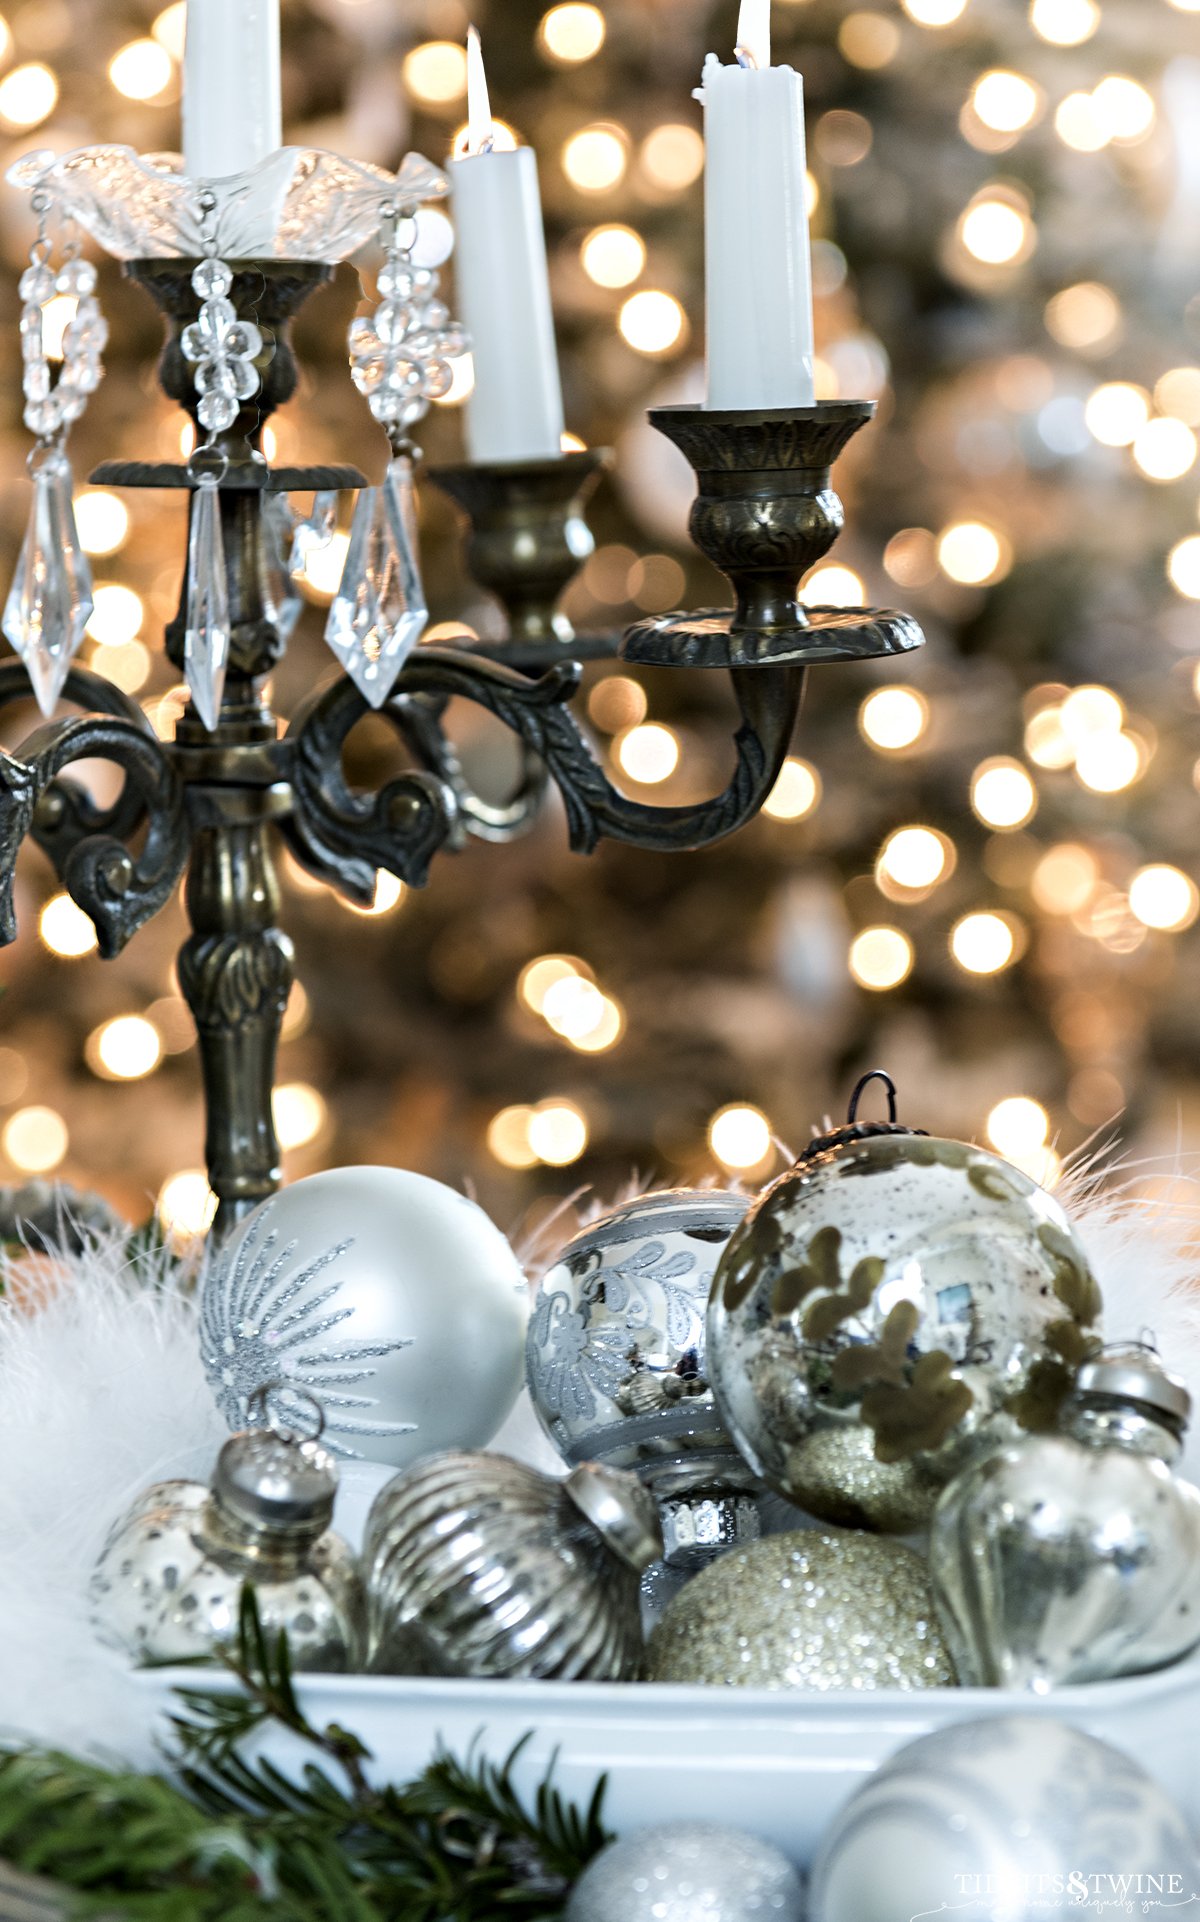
(236, 972)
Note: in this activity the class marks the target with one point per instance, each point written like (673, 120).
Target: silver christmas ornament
(1076, 1557)
(477, 1565)
(816, 1609)
(1017, 1817)
(617, 1371)
(890, 1305)
(391, 1297)
(168, 1584)
(687, 1872)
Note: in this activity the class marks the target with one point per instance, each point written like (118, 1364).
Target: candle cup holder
(764, 514)
(527, 539)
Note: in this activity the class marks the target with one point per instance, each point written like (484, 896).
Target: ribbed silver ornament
(478, 1565)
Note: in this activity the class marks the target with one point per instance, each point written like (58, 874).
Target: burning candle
(503, 290)
(758, 275)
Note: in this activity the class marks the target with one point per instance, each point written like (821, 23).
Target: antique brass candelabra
(215, 804)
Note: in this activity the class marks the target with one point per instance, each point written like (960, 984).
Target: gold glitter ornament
(888, 1306)
(816, 1609)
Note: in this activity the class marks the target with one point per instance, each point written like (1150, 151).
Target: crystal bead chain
(400, 356)
(220, 348)
(52, 407)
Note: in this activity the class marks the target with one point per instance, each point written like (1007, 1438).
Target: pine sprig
(232, 1838)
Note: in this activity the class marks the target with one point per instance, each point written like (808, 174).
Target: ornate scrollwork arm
(537, 712)
(119, 890)
(343, 836)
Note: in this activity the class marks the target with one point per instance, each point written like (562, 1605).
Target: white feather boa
(102, 1392)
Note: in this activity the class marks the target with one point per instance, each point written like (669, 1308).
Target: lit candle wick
(753, 45)
(481, 128)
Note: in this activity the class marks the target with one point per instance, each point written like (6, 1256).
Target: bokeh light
(436, 72)
(28, 95)
(1164, 897)
(1006, 102)
(170, 28)
(739, 1137)
(613, 256)
(671, 156)
(893, 718)
(652, 322)
(1085, 316)
(796, 792)
(595, 158)
(617, 702)
(124, 1049)
(186, 1206)
(983, 943)
(141, 69)
(914, 858)
(1065, 878)
(65, 929)
(1164, 449)
(648, 753)
(973, 553)
(35, 1139)
(299, 1113)
(1116, 412)
(833, 585)
(869, 40)
(1064, 23)
(572, 32)
(1018, 1126)
(101, 521)
(558, 1132)
(996, 232)
(117, 614)
(1183, 567)
(1002, 793)
(881, 957)
(934, 13)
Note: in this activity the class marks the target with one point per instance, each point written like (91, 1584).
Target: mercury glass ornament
(815, 1609)
(891, 1304)
(616, 1365)
(390, 1296)
(1076, 1557)
(478, 1565)
(168, 1584)
(687, 1872)
(1016, 1818)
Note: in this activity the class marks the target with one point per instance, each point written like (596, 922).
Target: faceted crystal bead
(364, 341)
(44, 417)
(206, 629)
(439, 379)
(37, 380)
(214, 377)
(367, 374)
(379, 611)
(217, 411)
(195, 343)
(395, 280)
(36, 283)
(76, 277)
(215, 319)
(242, 341)
(212, 279)
(245, 379)
(50, 601)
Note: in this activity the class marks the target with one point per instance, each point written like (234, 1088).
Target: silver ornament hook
(259, 1404)
(863, 1082)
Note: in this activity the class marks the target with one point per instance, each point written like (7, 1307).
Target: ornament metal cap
(618, 1506)
(1133, 1371)
(856, 1130)
(278, 1477)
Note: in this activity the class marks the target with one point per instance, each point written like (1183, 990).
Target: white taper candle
(758, 275)
(232, 117)
(503, 290)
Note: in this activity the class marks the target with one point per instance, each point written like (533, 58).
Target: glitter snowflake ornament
(392, 1299)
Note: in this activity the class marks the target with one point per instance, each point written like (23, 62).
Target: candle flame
(481, 131)
(753, 47)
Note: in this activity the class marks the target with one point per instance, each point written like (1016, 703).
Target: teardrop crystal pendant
(379, 611)
(206, 631)
(314, 531)
(284, 601)
(50, 601)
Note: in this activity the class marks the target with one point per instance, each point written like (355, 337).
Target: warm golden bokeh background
(978, 869)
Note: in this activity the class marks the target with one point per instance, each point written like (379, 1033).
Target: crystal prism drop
(50, 601)
(284, 601)
(379, 611)
(315, 531)
(206, 632)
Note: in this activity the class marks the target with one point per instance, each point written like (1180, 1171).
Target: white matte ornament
(688, 1872)
(1011, 1817)
(392, 1298)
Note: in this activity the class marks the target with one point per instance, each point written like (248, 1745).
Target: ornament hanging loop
(262, 1413)
(864, 1082)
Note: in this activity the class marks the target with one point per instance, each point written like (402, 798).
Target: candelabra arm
(334, 827)
(419, 719)
(118, 889)
(343, 836)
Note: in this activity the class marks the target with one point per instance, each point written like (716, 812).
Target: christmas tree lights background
(979, 865)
